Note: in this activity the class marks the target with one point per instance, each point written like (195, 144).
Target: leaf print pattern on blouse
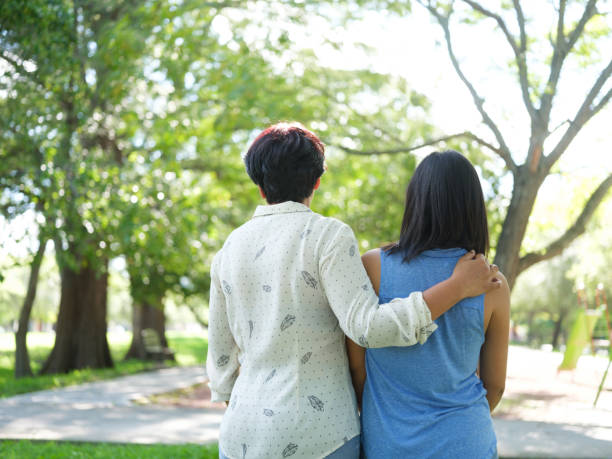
(244, 450)
(259, 252)
(306, 357)
(310, 281)
(363, 342)
(365, 287)
(427, 331)
(287, 322)
(223, 360)
(250, 328)
(316, 403)
(290, 450)
(352, 251)
(227, 287)
(267, 288)
(270, 376)
(305, 233)
(268, 413)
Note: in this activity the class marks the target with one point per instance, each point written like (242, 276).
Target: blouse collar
(286, 207)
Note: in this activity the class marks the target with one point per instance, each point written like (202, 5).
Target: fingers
(494, 269)
(468, 256)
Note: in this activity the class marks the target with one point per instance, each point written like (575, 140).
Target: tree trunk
(524, 194)
(530, 317)
(557, 330)
(146, 314)
(80, 334)
(22, 358)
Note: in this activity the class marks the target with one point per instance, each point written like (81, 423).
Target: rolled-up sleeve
(401, 322)
(222, 360)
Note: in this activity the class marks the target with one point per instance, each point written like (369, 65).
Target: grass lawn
(189, 349)
(53, 450)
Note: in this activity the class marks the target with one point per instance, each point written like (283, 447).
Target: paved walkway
(109, 411)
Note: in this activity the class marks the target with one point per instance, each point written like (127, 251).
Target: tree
(22, 358)
(579, 27)
(65, 110)
(539, 100)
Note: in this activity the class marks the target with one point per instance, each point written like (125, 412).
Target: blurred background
(123, 124)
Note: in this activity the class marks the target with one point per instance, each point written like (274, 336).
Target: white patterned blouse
(285, 288)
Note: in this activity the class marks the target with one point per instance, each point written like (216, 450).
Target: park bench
(153, 346)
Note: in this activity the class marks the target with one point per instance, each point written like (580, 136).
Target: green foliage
(135, 116)
(546, 296)
(25, 449)
(580, 335)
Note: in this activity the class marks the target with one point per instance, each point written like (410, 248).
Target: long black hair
(444, 208)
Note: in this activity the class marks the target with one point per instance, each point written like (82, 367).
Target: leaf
(270, 376)
(287, 322)
(306, 357)
(290, 450)
(316, 403)
(267, 288)
(223, 360)
(310, 281)
(259, 252)
(268, 413)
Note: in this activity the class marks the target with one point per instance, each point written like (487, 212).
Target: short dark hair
(444, 209)
(286, 160)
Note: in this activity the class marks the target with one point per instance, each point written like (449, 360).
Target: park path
(112, 411)
(543, 415)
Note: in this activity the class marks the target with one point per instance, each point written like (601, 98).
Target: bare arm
(494, 352)
(356, 356)
(356, 353)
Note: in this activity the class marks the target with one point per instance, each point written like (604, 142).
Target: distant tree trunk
(22, 358)
(146, 314)
(557, 329)
(80, 334)
(530, 317)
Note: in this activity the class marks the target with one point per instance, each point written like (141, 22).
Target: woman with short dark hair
(285, 288)
(428, 401)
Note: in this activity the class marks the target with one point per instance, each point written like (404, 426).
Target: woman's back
(427, 400)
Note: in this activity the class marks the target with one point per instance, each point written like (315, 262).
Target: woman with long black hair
(434, 400)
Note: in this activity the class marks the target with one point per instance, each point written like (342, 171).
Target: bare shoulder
(500, 295)
(371, 263)
(371, 257)
(497, 302)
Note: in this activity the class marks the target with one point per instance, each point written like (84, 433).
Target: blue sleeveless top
(425, 401)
